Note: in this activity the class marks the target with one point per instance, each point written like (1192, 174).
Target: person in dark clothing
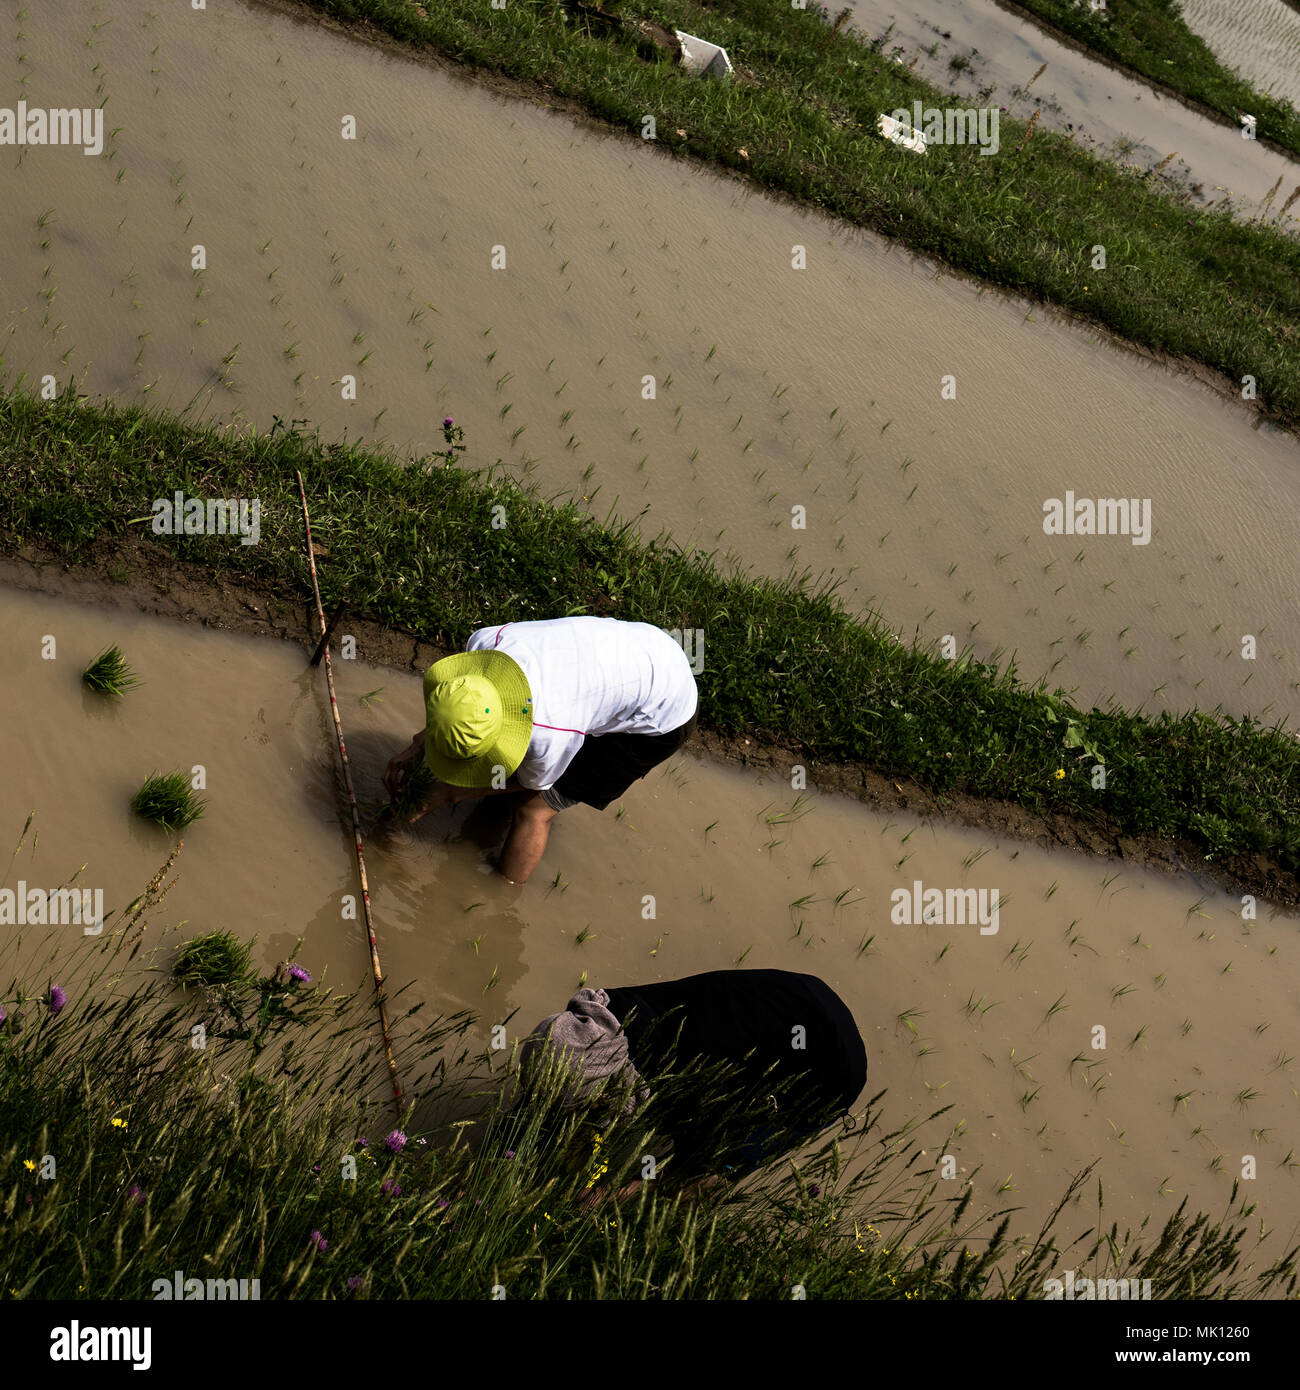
(792, 1050)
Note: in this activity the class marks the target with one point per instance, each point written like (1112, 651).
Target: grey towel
(589, 1040)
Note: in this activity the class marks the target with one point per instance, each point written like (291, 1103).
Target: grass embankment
(416, 548)
(225, 1136)
(1151, 38)
(803, 109)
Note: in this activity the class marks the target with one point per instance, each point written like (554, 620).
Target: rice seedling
(907, 1017)
(477, 941)
(214, 958)
(168, 800)
(744, 953)
(109, 674)
(583, 935)
(864, 946)
(495, 979)
(1057, 1006)
(1244, 1097)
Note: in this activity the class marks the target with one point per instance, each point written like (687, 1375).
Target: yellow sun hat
(478, 717)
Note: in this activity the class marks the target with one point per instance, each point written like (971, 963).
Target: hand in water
(399, 768)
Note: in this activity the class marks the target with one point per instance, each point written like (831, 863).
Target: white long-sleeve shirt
(592, 676)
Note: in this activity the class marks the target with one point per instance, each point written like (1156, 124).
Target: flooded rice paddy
(999, 1024)
(776, 389)
(987, 55)
(1259, 40)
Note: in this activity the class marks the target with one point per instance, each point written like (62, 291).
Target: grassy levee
(437, 550)
(252, 1154)
(1197, 284)
(1151, 37)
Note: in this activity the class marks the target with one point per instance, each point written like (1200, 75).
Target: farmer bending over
(554, 713)
(775, 1026)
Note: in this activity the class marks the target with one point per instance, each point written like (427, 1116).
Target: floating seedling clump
(215, 958)
(109, 674)
(168, 800)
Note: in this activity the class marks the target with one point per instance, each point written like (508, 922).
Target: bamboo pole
(375, 968)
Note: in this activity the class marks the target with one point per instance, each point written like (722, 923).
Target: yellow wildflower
(29, 1164)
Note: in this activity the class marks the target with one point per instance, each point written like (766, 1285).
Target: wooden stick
(327, 634)
(375, 968)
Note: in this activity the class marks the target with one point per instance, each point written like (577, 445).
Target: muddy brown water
(777, 389)
(1117, 115)
(723, 854)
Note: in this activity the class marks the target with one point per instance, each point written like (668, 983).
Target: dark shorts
(607, 764)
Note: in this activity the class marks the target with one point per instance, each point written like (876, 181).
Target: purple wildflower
(443, 1202)
(57, 1000)
(298, 974)
(318, 1240)
(3, 1015)
(363, 1142)
(136, 1194)
(814, 1189)
(510, 1153)
(395, 1142)
(390, 1187)
(355, 1281)
(447, 422)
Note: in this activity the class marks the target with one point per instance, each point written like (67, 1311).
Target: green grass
(167, 799)
(804, 107)
(238, 1160)
(215, 958)
(72, 474)
(1152, 38)
(109, 674)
